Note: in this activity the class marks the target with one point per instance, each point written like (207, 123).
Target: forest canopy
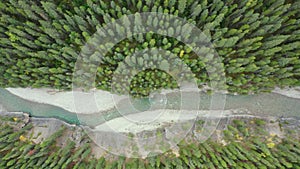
(257, 40)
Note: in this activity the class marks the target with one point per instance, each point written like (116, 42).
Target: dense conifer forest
(257, 40)
(246, 144)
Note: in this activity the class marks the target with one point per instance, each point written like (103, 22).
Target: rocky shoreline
(45, 127)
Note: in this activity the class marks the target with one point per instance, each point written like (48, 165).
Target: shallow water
(260, 104)
(14, 103)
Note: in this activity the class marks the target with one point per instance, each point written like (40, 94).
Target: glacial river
(260, 104)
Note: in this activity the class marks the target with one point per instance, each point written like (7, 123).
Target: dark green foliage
(252, 152)
(258, 41)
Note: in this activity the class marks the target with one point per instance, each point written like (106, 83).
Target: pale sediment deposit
(289, 92)
(86, 102)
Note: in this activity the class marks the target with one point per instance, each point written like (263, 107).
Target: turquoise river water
(260, 104)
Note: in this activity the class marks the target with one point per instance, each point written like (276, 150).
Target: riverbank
(280, 101)
(152, 120)
(289, 92)
(65, 99)
(43, 128)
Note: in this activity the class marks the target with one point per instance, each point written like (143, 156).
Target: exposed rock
(290, 125)
(143, 143)
(17, 119)
(45, 127)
